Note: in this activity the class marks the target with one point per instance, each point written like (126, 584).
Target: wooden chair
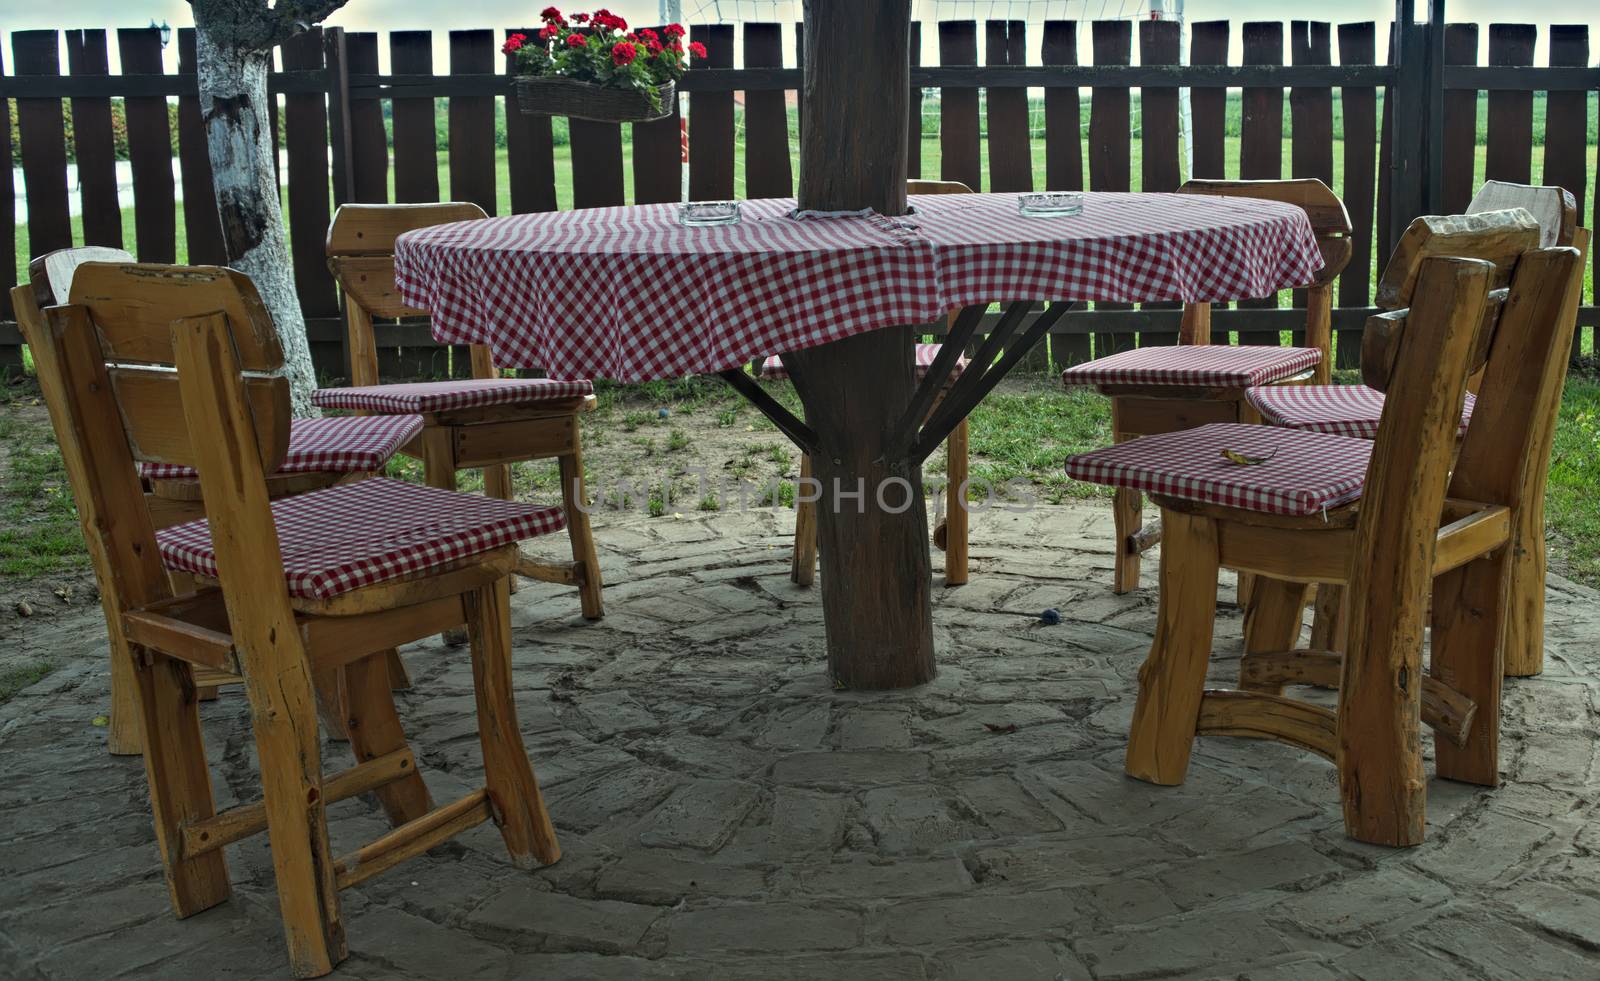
(1387, 518)
(322, 452)
(294, 589)
(950, 535)
(1157, 390)
(486, 421)
(1354, 410)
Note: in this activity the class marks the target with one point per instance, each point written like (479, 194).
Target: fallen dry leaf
(1009, 727)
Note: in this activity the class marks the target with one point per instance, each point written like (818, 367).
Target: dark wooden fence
(1408, 122)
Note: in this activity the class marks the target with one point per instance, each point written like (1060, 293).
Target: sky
(381, 15)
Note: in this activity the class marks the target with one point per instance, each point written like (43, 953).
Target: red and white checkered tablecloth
(629, 293)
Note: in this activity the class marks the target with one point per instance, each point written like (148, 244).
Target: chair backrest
(936, 187)
(360, 250)
(1554, 208)
(165, 364)
(1330, 222)
(51, 274)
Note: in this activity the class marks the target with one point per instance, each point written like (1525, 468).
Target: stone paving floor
(726, 815)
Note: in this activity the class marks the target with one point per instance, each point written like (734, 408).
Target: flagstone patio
(725, 814)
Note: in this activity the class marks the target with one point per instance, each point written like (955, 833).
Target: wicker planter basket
(539, 96)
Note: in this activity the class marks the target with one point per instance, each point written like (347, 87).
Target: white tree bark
(233, 46)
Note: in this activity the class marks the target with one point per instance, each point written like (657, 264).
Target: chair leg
(803, 560)
(1319, 330)
(1524, 653)
(374, 728)
(1327, 624)
(1272, 622)
(333, 702)
(123, 736)
(1470, 624)
(497, 484)
(518, 807)
(1173, 678)
(439, 470)
(581, 537)
(957, 518)
(282, 712)
(399, 677)
(180, 785)
(1127, 510)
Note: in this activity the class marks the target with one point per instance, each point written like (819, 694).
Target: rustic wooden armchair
(950, 534)
(486, 421)
(1162, 389)
(322, 453)
(1354, 410)
(293, 589)
(1387, 518)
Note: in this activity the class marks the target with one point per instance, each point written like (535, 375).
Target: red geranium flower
(580, 18)
(576, 41)
(623, 53)
(552, 16)
(513, 43)
(653, 46)
(647, 35)
(673, 31)
(550, 33)
(697, 49)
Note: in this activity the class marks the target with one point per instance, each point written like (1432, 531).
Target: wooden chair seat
(1343, 410)
(331, 445)
(1303, 473)
(344, 538)
(772, 368)
(1201, 366)
(445, 396)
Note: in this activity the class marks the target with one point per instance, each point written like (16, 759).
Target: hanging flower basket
(593, 67)
(545, 96)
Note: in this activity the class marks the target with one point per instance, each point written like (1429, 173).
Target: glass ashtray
(1050, 204)
(696, 214)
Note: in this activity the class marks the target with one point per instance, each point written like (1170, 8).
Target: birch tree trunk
(234, 40)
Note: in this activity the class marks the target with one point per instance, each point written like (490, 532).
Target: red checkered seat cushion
(469, 393)
(772, 368)
(1345, 410)
(1212, 366)
(371, 531)
(336, 444)
(1306, 473)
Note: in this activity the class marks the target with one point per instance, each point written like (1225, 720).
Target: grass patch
(1572, 504)
(40, 534)
(20, 676)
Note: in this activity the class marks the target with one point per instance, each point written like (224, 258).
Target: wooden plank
(597, 163)
(1063, 154)
(1509, 153)
(913, 106)
(305, 139)
(1208, 108)
(530, 151)
(155, 205)
(471, 121)
(958, 108)
(1160, 43)
(658, 156)
(1460, 108)
(416, 150)
(1261, 134)
(10, 353)
(1566, 128)
(1110, 142)
(1010, 156)
(711, 121)
(1357, 45)
(202, 228)
(341, 144)
(43, 136)
(94, 144)
(1310, 118)
(1384, 232)
(1063, 117)
(369, 144)
(768, 172)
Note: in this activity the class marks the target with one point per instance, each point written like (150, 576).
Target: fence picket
(1063, 153)
(1208, 107)
(530, 150)
(10, 357)
(305, 140)
(1010, 153)
(711, 121)
(1358, 46)
(1160, 43)
(958, 108)
(1110, 143)
(94, 144)
(155, 203)
(44, 146)
(1509, 153)
(1566, 127)
(416, 137)
(913, 106)
(471, 123)
(1310, 118)
(768, 171)
(202, 228)
(369, 145)
(1261, 137)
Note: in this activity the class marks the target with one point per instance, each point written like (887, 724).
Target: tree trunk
(875, 568)
(233, 101)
